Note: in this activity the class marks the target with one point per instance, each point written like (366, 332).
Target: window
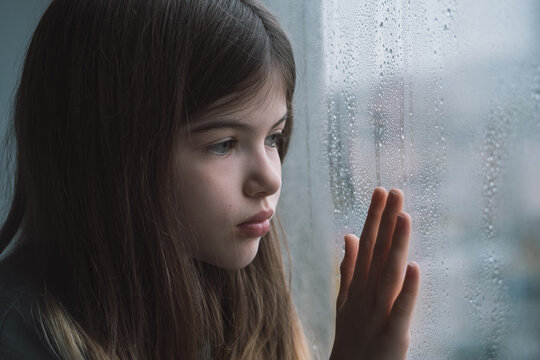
(440, 99)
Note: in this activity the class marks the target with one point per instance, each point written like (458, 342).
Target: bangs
(257, 94)
(250, 58)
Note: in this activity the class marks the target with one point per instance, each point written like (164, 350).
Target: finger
(347, 267)
(401, 315)
(394, 203)
(391, 278)
(368, 237)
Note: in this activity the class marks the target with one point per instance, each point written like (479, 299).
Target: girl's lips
(259, 217)
(255, 229)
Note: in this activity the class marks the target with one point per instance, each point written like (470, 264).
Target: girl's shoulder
(19, 339)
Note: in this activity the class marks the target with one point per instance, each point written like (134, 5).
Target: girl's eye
(221, 148)
(274, 140)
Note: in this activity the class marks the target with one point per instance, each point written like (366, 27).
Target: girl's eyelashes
(225, 146)
(222, 148)
(274, 140)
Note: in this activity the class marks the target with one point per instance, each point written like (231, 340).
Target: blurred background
(439, 98)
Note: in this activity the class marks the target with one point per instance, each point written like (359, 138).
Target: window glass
(440, 99)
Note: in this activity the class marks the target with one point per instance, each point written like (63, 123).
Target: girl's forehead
(249, 103)
(261, 112)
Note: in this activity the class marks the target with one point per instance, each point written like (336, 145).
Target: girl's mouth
(255, 229)
(257, 225)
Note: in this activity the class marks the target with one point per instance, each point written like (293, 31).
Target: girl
(149, 138)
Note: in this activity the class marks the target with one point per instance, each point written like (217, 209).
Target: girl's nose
(263, 175)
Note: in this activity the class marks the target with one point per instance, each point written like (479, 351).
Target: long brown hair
(105, 88)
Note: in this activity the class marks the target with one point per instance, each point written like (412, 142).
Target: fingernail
(378, 188)
(400, 219)
(392, 196)
(411, 266)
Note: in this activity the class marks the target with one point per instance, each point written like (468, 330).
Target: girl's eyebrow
(227, 123)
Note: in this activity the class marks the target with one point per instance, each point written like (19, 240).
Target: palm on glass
(378, 289)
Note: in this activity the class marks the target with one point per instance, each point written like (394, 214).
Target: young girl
(149, 140)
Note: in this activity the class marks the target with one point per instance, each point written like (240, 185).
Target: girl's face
(229, 176)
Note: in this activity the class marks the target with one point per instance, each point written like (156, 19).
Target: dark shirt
(19, 339)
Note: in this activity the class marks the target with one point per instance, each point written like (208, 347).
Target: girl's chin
(239, 261)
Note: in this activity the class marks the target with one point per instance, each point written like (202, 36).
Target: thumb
(347, 267)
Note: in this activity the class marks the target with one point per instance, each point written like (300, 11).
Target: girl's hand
(377, 295)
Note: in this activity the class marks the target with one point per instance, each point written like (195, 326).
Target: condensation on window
(442, 99)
